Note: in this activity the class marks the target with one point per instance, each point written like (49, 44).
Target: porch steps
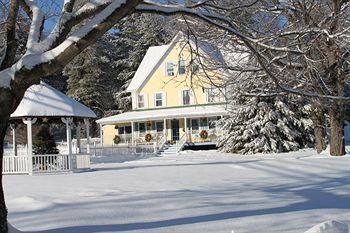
(168, 149)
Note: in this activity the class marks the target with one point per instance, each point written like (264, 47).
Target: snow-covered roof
(156, 54)
(149, 62)
(42, 100)
(166, 113)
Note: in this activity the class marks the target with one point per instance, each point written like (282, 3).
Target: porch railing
(180, 144)
(15, 165)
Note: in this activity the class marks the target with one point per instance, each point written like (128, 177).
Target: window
(142, 127)
(186, 97)
(158, 99)
(141, 101)
(128, 129)
(195, 124)
(212, 122)
(170, 71)
(124, 130)
(121, 130)
(159, 126)
(213, 95)
(194, 66)
(182, 67)
(204, 123)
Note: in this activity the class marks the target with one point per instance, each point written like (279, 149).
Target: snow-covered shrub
(265, 124)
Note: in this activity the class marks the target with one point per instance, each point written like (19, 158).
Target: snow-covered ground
(193, 192)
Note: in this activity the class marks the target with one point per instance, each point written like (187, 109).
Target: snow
(203, 191)
(329, 227)
(154, 114)
(44, 100)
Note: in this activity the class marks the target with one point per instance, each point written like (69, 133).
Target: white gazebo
(44, 101)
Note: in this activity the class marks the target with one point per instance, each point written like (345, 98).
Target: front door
(175, 131)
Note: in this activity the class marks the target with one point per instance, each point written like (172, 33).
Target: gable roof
(156, 54)
(42, 100)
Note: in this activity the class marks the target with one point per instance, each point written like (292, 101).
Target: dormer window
(170, 69)
(182, 67)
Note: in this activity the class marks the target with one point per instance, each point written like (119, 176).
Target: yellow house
(175, 100)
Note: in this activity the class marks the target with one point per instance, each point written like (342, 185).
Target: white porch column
(165, 129)
(87, 125)
(132, 134)
(14, 138)
(185, 124)
(29, 122)
(68, 121)
(78, 137)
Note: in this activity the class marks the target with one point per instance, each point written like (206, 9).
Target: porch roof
(166, 113)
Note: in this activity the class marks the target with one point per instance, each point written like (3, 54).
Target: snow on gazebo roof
(42, 100)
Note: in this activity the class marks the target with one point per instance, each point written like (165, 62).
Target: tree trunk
(3, 209)
(320, 130)
(337, 142)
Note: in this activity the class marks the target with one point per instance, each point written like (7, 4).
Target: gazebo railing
(15, 165)
(46, 163)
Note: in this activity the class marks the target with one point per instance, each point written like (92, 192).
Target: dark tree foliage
(43, 142)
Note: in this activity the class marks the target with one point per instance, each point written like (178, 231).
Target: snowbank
(12, 229)
(329, 227)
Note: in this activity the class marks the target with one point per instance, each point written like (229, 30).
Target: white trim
(155, 100)
(144, 95)
(166, 68)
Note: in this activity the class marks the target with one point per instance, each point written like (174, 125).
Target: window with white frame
(141, 101)
(195, 124)
(158, 99)
(182, 66)
(159, 126)
(142, 127)
(186, 97)
(170, 69)
(213, 95)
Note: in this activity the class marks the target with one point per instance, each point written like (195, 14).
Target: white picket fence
(46, 163)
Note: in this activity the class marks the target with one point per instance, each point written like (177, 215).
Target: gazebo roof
(42, 100)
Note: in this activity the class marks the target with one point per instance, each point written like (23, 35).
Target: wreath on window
(116, 139)
(116, 127)
(148, 137)
(203, 134)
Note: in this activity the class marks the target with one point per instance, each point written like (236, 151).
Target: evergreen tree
(43, 142)
(99, 76)
(265, 124)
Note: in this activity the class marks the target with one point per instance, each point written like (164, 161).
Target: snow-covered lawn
(193, 192)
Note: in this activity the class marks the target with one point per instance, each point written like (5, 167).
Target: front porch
(192, 130)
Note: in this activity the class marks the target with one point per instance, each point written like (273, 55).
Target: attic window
(170, 71)
(182, 67)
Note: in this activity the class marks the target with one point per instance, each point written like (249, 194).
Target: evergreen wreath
(148, 137)
(203, 134)
(116, 139)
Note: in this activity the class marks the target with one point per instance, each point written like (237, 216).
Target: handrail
(180, 144)
(160, 143)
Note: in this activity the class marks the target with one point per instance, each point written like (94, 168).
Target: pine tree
(265, 124)
(99, 76)
(43, 142)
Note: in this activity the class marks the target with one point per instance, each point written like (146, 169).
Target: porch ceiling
(166, 113)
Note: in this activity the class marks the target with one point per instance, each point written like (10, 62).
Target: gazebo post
(87, 125)
(14, 127)
(29, 122)
(78, 138)
(68, 121)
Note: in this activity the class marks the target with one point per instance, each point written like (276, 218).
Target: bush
(44, 143)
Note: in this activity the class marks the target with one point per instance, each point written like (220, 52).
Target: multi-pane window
(170, 69)
(213, 95)
(159, 126)
(195, 124)
(142, 127)
(141, 101)
(194, 67)
(186, 97)
(158, 99)
(182, 67)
